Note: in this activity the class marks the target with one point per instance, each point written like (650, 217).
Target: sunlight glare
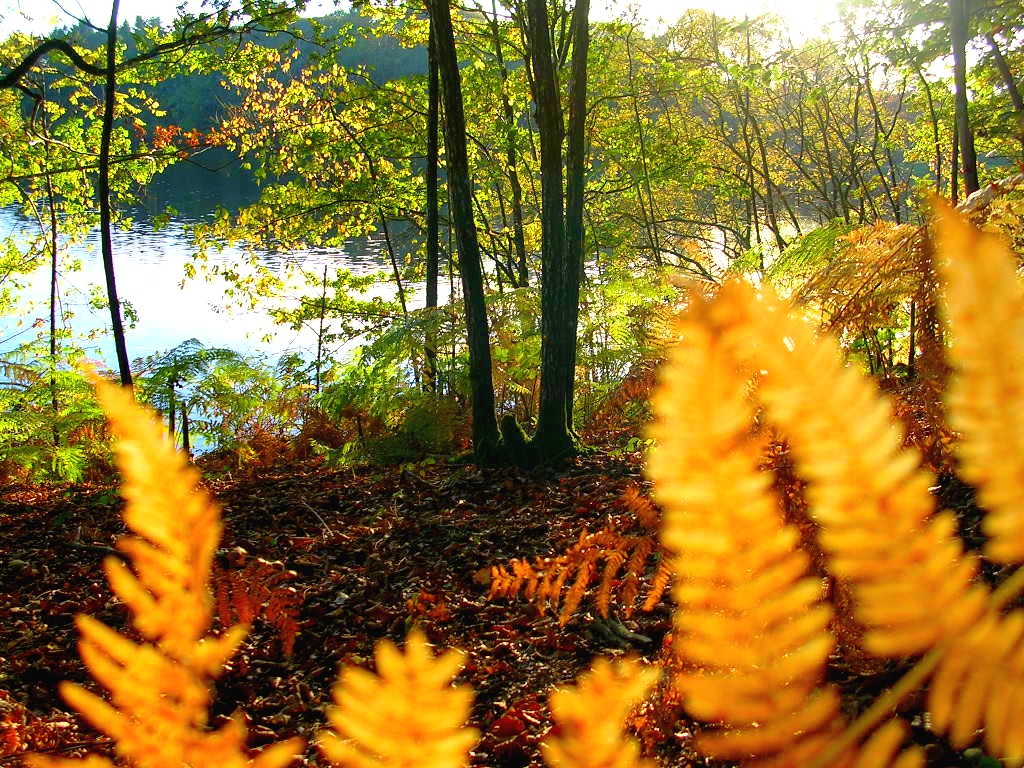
(802, 18)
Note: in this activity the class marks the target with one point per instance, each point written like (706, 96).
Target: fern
(160, 688)
(808, 253)
(406, 715)
(258, 589)
(616, 563)
(586, 741)
(749, 620)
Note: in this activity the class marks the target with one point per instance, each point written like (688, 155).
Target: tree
(485, 426)
(190, 35)
(964, 129)
(562, 225)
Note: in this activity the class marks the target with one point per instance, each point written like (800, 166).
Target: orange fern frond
(613, 564)
(659, 583)
(590, 717)
(406, 716)
(750, 620)
(160, 690)
(259, 589)
(641, 505)
(977, 686)
(636, 567)
(913, 583)
(584, 573)
(543, 581)
(984, 304)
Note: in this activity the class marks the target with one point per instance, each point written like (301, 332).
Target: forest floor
(354, 556)
(348, 557)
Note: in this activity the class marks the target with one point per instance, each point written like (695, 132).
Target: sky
(805, 17)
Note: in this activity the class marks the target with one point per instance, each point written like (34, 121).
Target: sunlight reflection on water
(150, 273)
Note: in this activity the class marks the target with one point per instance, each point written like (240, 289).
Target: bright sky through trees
(805, 17)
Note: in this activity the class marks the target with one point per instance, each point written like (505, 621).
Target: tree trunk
(561, 260)
(433, 249)
(103, 193)
(186, 444)
(172, 411)
(511, 157)
(1010, 84)
(958, 37)
(575, 171)
(393, 257)
(320, 333)
(51, 205)
(485, 425)
(645, 191)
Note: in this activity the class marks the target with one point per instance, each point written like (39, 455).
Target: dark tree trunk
(186, 444)
(954, 165)
(1010, 84)
(393, 258)
(172, 410)
(958, 37)
(575, 182)
(103, 193)
(561, 258)
(433, 249)
(320, 333)
(51, 205)
(485, 425)
(522, 276)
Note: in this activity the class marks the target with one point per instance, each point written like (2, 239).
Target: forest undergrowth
(368, 553)
(362, 555)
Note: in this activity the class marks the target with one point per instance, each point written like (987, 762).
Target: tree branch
(12, 78)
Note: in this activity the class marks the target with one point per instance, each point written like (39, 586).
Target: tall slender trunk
(1012, 90)
(647, 195)
(912, 341)
(511, 158)
(551, 418)
(186, 442)
(103, 192)
(172, 410)
(485, 425)
(320, 333)
(958, 37)
(433, 109)
(562, 228)
(575, 182)
(954, 164)
(394, 260)
(51, 205)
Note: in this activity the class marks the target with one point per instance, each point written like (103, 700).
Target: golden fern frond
(876, 270)
(407, 715)
(603, 598)
(590, 717)
(749, 618)
(984, 304)
(659, 583)
(160, 690)
(978, 685)
(750, 621)
(913, 583)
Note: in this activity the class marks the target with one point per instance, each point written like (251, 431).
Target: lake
(150, 268)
